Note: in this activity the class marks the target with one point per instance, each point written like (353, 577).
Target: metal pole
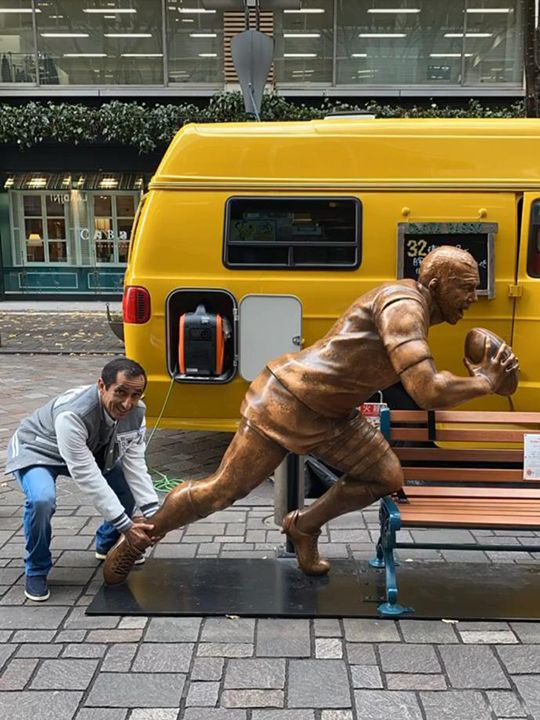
(288, 490)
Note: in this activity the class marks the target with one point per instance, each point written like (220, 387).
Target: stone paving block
(77, 559)
(318, 684)
(364, 630)
(366, 676)
(470, 666)
(68, 636)
(129, 623)
(257, 673)
(154, 714)
(207, 669)
(33, 636)
(336, 715)
(528, 687)
(527, 632)
(405, 657)
(213, 714)
(455, 705)
(119, 657)
(64, 675)
(225, 650)
(427, 631)
(31, 650)
(227, 630)
(521, 659)
(384, 705)
(101, 714)
(144, 691)
(251, 698)
(42, 705)
(506, 704)
(114, 636)
(80, 650)
(413, 681)
(488, 637)
(283, 638)
(77, 620)
(32, 617)
(327, 627)
(202, 694)
(163, 657)
(17, 674)
(328, 648)
(360, 654)
(282, 715)
(181, 629)
(6, 651)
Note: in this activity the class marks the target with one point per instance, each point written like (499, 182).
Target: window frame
(531, 240)
(46, 262)
(92, 194)
(358, 216)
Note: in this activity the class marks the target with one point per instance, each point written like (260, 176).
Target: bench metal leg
(390, 523)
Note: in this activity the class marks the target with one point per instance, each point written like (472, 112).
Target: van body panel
(429, 171)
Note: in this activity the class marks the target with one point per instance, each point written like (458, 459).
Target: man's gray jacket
(72, 430)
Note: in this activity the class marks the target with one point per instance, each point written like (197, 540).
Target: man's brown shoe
(305, 544)
(120, 559)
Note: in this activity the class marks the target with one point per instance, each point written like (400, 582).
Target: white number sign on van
(531, 461)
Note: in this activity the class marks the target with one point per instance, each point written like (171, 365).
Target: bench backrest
(455, 447)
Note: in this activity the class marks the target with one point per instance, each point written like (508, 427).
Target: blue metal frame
(390, 523)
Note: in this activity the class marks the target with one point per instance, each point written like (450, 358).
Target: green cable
(164, 483)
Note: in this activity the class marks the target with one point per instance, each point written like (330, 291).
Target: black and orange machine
(202, 336)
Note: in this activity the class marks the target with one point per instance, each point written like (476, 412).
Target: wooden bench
(449, 486)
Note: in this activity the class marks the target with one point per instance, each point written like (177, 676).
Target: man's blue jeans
(39, 485)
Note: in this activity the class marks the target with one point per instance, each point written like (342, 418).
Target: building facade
(65, 220)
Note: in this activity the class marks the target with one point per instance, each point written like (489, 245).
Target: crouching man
(95, 434)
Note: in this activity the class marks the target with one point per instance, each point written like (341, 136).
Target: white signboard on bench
(531, 461)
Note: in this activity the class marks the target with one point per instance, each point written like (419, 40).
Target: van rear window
(533, 259)
(293, 233)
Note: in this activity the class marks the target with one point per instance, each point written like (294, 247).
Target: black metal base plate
(276, 588)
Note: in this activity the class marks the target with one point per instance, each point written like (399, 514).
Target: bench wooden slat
(445, 474)
(466, 416)
(464, 512)
(413, 491)
(459, 435)
(432, 454)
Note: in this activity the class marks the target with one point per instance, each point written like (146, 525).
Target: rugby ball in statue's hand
(475, 343)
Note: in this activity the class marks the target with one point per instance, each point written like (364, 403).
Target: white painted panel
(268, 326)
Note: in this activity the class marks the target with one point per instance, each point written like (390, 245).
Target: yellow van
(254, 237)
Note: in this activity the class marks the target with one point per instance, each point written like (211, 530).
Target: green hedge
(146, 127)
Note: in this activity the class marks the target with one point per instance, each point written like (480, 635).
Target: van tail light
(136, 305)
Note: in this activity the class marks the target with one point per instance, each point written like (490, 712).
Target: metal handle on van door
(297, 340)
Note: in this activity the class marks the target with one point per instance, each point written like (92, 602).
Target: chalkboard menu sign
(416, 240)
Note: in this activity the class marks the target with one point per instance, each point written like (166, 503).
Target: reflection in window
(195, 38)
(45, 229)
(113, 219)
(427, 42)
(304, 43)
(88, 43)
(293, 232)
(17, 59)
(533, 259)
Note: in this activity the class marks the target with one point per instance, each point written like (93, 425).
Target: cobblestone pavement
(57, 663)
(59, 332)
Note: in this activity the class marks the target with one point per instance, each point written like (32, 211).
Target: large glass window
(195, 43)
(113, 218)
(88, 42)
(426, 42)
(293, 233)
(304, 43)
(17, 56)
(44, 225)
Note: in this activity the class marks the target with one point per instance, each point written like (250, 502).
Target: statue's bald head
(444, 262)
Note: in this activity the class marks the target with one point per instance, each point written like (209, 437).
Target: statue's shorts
(350, 444)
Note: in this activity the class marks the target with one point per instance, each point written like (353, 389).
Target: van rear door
(526, 291)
